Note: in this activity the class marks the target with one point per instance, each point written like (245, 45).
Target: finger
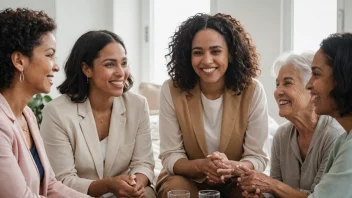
(214, 178)
(243, 168)
(225, 171)
(249, 188)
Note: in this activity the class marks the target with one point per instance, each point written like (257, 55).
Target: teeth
(283, 102)
(50, 78)
(117, 82)
(209, 70)
(315, 97)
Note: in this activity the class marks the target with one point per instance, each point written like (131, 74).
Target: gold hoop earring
(21, 76)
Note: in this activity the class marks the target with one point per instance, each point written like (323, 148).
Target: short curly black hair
(244, 62)
(337, 49)
(86, 50)
(20, 30)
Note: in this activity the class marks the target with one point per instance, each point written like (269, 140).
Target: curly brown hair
(20, 30)
(244, 62)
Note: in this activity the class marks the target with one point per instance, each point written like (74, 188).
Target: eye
(287, 83)
(109, 64)
(315, 74)
(216, 52)
(51, 55)
(124, 64)
(277, 84)
(197, 53)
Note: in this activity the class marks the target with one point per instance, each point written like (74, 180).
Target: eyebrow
(288, 78)
(316, 67)
(114, 60)
(211, 47)
(50, 49)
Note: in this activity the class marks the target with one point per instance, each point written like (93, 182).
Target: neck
(305, 123)
(213, 91)
(100, 102)
(345, 122)
(18, 98)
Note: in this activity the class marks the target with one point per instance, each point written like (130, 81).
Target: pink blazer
(19, 176)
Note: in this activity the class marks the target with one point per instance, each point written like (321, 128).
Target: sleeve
(12, 181)
(171, 142)
(59, 150)
(337, 181)
(142, 158)
(327, 148)
(257, 134)
(275, 170)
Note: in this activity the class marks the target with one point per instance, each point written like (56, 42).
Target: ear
(87, 70)
(18, 60)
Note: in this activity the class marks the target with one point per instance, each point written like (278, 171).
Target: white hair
(301, 62)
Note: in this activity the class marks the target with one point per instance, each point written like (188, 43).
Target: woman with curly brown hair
(27, 66)
(213, 113)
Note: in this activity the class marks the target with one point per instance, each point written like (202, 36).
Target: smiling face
(210, 56)
(40, 67)
(109, 72)
(290, 93)
(321, 84)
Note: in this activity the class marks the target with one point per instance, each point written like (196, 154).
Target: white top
(103, 144)
(212, 116)
(171, 142)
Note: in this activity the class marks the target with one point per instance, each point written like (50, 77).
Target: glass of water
(178, 194)
(209, 194)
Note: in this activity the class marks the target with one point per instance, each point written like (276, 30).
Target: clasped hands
(126, 186)
(218, 169)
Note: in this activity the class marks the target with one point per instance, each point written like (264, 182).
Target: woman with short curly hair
(213, 113)
(27, 66)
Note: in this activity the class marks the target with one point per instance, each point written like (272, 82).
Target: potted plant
(37, 104)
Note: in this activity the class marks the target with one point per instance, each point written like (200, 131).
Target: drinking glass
(209, 194)
(178, 194)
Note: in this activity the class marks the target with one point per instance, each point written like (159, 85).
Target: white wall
(262, 19)
(347, 5)
(127, 24)
(74, 18)
(47, 6)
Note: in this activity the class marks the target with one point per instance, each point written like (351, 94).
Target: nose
(279, 91)
(309, 84)
(119, 71)
(56, 67)
(207, 58)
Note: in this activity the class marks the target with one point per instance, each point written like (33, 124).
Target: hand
(223, 167)
(254, 181)
(256, 194)
(209, 169)
(121, 186)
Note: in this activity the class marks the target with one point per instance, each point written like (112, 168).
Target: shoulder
(61, 104)
(283, 132)
(330, 128)
(134, 98)
(6, 129)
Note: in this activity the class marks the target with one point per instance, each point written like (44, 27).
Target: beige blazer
(19, 176)
(71, 139)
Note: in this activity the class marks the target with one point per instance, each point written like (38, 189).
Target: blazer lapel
(228, 119)
(116, 132)
(196, 114)
(90, 134)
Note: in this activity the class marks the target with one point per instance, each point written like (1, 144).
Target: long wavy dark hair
(337, 49)
(244, 62)
(86, 50)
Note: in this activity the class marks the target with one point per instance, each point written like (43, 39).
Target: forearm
(189, 168)
(244, 163)
(141, 178)
(283, 190)
(99, 187)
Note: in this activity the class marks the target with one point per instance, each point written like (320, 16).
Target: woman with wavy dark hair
(27, 67)
(100, 129)
(331, 90)
(213, 113)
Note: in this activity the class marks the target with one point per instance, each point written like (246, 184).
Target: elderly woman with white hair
(301, 146)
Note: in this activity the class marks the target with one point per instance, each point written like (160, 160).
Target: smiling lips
(50, 78)
(118, 84)
(208, 70)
